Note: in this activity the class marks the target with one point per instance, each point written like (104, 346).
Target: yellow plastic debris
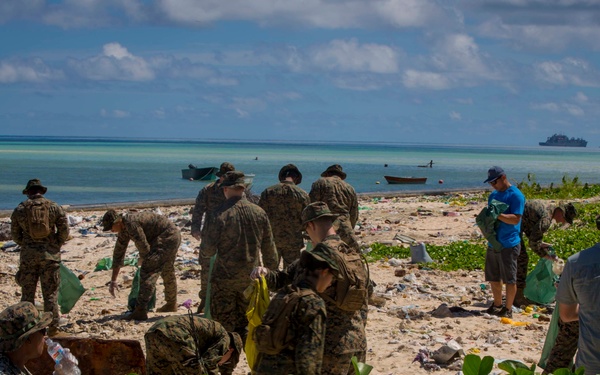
(513, 322)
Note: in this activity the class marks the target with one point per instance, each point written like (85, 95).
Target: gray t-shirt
(580, 284)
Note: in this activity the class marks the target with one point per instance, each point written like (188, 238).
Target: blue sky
(449, 71)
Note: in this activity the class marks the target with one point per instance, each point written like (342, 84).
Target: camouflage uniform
(536, 220)
(342, 200)
(157, 240)
(40, 259)
(565, 346)
(171, 349)
(8, 368)
(307, 326)
(284, 203)
(239, 234)
(345, 335)
(209, 199)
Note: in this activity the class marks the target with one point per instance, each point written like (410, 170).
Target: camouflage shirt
(536, 220)
(145, 229)
(213, 341)
(50, 245)
(339, 196)
(345, 329)
(8, 368)
(284, 203)
(307, 327)
(239, 233)
(208, 200)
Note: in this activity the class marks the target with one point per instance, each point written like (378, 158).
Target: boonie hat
(286, 169)
(233, 179)
(494, 173)
(109, 219)
(334, 169)
(314, 211)
(225, 167)
(18, 322)
(35, 183)
(569, 212)
(322, 253)
(235, 341)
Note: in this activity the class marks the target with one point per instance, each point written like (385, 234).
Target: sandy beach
(396, 331)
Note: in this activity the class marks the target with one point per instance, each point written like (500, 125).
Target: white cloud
(115, 113)
(455, 116)
(571, 109)
(31, 70)
(115, 63)
(467, 101)
(351, 56)
(569, 71)
(425, 80)
(581, 97)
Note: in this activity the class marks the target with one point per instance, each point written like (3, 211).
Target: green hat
(335, 170)
(322, 253)
(569, 212)
(235, 341)
(18, 322)
(290, 169)
(225, 167)
(234, 179)
(35, 183)
(109, 219)
(316, 210)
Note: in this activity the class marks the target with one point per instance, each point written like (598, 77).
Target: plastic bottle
(66, 363)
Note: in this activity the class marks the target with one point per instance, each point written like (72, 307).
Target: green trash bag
(540, 283)
(550, 338)
(69, 290)
(207, 313)
(103, 264)
(135, 290)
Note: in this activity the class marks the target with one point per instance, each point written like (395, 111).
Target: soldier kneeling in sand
(157, 240)
(189, 344)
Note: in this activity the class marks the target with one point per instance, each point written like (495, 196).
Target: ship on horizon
(561, 140)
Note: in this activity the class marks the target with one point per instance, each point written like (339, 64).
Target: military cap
(18, 322)
(235, 342)
(335, 169)
(316, 210)
(225, 167)
(569, 212)
(286, 169)
(322, 253)
(35, 183)
(109, 219)
(234, 179)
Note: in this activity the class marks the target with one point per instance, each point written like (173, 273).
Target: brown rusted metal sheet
(97, 357)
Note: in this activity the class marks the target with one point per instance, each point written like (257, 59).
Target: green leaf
(562, 371)
(511, 366)
(524, 371)
(487, 364)
(580, 371)
(361, 368)
(471, 365)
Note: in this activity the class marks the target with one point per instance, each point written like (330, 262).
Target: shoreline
(4, 213)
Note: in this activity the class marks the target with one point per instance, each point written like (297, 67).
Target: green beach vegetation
(470, 255)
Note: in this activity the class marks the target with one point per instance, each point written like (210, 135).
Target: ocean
(95, 171)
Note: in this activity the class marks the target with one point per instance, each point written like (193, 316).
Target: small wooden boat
(405, 180)
(202, 174)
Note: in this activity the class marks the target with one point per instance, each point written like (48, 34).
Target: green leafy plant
(474, 365)
(570, 188)
(361, 368)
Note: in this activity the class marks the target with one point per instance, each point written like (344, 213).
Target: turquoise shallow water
(80, 171)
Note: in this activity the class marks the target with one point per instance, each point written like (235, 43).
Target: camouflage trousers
(522, 265)
(345, 230)
(163, 356)
(228, 307)
(341, 364)
(33, 268)
(204, 274)
(160, 261)
(565, 346)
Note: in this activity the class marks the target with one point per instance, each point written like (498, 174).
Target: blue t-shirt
(506, 234)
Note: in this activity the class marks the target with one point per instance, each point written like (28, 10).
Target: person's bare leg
(511, 292)
(497, 292)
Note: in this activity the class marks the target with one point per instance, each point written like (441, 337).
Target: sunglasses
(493, 183)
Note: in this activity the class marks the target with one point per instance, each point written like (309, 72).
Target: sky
(509, 72)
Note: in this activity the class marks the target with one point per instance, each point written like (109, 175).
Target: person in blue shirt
(501, 266)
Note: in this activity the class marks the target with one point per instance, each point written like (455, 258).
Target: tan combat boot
(521, 300)
(137, 314)
(168, 307)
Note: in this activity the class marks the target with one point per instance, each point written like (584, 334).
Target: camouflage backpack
(351, 288)
(38, 218)
(273, 335)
